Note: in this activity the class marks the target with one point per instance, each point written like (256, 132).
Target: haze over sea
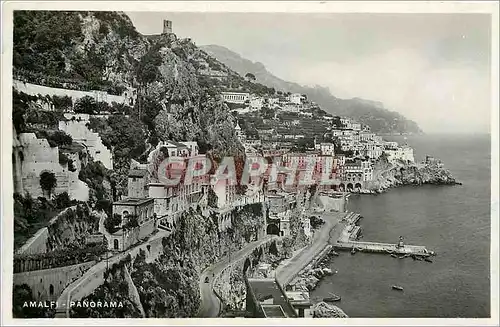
(454, 221)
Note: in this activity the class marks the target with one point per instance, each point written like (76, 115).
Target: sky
(432, 68)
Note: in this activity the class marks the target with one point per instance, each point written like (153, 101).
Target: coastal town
(107, 226)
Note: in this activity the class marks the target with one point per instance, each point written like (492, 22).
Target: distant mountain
(365, 111)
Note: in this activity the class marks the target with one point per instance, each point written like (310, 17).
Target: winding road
(321, 239)
(210, 304)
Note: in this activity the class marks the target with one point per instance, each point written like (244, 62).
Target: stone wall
(37, 243)
(331, 204)
(78, 130)
(48, 284)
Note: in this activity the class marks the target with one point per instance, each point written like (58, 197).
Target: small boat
(393, 255)
(397, 288)
(332, 298)
(353, 251)
(402, 257)
(335, 253)
(427, 259)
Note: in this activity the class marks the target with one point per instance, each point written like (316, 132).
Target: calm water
(454, 221)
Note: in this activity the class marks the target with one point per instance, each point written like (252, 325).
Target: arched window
(125, 213)
(51, 289)
(115, 244)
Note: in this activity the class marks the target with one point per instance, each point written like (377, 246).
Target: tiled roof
(137, 173)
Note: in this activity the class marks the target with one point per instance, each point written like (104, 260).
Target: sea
(453, 221)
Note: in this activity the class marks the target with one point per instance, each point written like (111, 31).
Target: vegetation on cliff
(115, 289)
(31, 214)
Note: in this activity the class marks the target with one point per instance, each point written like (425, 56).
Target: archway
(116, 245)
(272, 229)
(358, 185)
(349, 186)
(342, 187)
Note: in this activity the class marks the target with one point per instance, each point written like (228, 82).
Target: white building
(327, 149)
(336, 132)
(235, 97)
(356, 126)
(290, 107)
(403, 153)
(346, 122)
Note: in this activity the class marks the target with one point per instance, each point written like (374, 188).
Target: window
(115, 244)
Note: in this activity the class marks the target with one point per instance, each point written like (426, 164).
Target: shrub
(48, 181)
(111, 223)
(86, 105)
(132, 222)
(62, 200)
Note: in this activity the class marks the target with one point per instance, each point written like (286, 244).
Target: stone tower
(167, 26)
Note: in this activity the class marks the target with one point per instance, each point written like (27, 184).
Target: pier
(348, 241)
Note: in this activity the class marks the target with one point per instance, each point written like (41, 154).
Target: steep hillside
(368, 112)
(103, 51)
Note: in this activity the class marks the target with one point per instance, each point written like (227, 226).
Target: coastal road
(210, 304)
(321, 239)
(98, 268)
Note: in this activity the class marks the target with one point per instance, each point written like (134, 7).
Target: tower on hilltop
(167, 26)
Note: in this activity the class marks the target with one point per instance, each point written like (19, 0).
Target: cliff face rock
(398, 174)
(71, 227)
(325, 310)
(168, 287)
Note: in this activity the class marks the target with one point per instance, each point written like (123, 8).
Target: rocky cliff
(380, 119)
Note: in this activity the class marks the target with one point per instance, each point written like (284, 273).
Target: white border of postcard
(490, 7)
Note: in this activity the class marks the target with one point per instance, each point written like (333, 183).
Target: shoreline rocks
(312, 274)
(325, 310)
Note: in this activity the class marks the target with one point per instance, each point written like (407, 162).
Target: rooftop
(267, 288)
(273, 311)
(137, 172)
(133, 201)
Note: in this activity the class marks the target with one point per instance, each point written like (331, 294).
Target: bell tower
(167, 26)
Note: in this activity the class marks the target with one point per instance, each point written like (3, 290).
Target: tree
(48, 181)
(22, 294)
(250, 77)
(111, 223)
(86, 105)
(62, 200)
